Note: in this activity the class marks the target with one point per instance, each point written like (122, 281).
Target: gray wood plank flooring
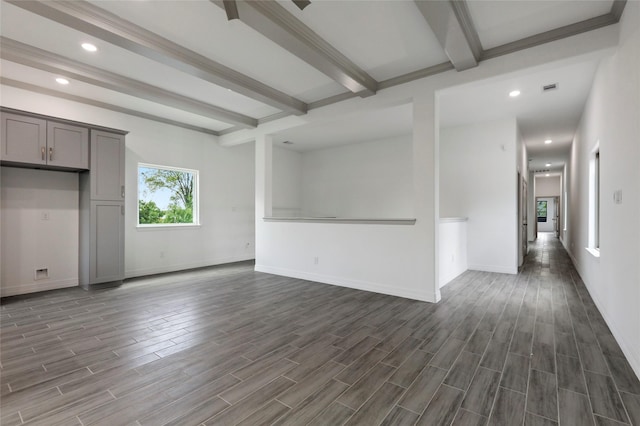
(227, 346)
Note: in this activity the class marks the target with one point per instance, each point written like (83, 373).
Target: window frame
(196, 197)
(593, 246)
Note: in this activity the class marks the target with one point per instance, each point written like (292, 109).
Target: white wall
(371, 179)
(287, 183)
(548, 186)
(226, 232)
(522, 159)
(391, 259)
(39, 229)
(478, 181)
(365, 180)
(452, 249)
(611, 117)
(226, 187)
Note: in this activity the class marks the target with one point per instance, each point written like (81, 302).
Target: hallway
(228, 345)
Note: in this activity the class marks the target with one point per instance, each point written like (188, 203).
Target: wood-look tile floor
(231, 346)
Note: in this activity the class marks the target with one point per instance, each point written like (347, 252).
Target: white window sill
(593, 251)
(168, 227)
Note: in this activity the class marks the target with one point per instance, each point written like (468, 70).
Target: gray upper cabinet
(24, 139)
(32, 141)
(67, 146)
(107, 166)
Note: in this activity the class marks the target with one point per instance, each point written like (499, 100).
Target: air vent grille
(548, 87)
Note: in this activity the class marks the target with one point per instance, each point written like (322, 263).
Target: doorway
(547, 214)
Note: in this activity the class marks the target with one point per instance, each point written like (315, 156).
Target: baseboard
(183, 266)
(44, 285)
(491, 268)
(633, 358)
(344, 282)
(447, 280)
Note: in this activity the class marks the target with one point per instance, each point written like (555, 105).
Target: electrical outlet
(161, 255)
(315, 260)
(44, 215)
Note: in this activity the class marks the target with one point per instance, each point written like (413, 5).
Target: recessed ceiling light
(547, 175)
(61, 80)
(548, 165)
(548, 141)
(89, 47)
(514, 93)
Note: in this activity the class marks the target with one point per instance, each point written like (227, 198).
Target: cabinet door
(107, 242)
(107, 166)
(67, 146)
(24, 139)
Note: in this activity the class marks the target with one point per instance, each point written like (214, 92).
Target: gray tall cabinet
(102, 211)
(97, 153)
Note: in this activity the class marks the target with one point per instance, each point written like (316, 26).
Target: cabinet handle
(42, 152)
(50, 153)
(122, 210)
(122, 190)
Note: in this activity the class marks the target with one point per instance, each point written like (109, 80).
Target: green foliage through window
(542, 211)
(166, 195)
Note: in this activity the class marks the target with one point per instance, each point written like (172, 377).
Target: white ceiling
(375, 125)
(500, 22)
(384, 39)
(541, 115)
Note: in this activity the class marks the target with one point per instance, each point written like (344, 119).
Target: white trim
(453, 219)
(134, 273)
(493, 268)
(629, 354)
(168, 226)
(196, 196)
(366, 221)
(342, 282)
(41, 285)
(593, 252)
(446, 280)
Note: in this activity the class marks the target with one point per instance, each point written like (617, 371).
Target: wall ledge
(355, 221)
(453, 219)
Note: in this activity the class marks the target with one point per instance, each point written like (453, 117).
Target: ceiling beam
(549, 36)
(106, 26)
(461, 9)
(104, 105)
(283, 28)
(231, 9)
(301, 3)
(617, 8)
(24, 54)
(451, 32)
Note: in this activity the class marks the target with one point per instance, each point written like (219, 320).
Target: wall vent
(548, 87)
(42, 274)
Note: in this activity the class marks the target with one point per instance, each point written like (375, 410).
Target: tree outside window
(167, 195)
(542, 211)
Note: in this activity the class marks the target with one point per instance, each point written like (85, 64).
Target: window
(594, 202)
(596, 196)
(167, 196)
(542, 211)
